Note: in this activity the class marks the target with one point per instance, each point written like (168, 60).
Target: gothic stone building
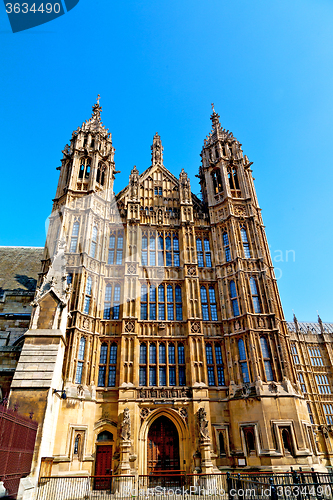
(157, 339)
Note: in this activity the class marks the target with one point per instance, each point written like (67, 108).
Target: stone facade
(155, 304)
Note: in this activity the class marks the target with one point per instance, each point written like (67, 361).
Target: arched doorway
(163, 446)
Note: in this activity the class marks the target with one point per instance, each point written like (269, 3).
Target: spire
(157, 151)
(94, 124)
(296, 322)
(215, 118)
(321, 324)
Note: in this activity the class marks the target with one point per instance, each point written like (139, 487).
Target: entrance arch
(163, 446)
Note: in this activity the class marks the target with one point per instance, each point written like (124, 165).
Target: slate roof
(19, 268)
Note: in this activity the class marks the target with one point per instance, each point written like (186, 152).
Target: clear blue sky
(158, 64)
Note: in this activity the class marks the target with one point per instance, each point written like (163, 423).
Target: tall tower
(254, 330)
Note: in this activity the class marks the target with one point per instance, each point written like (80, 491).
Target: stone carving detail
(185, 187)
(86, 323)
(191, 270)
(195, 327)
(144, 413)
(246, 391)
(131, 269)
(80, 391)
(240, 210)
(203, 425)
(165, 393)
(129, 326)
(261, 323)
(273, 387)
(183, 413)
(126, 426)
(134, 184)
(55, 279)
(238, 325)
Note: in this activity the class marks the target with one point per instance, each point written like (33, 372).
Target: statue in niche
(126, 426)
(203, 424)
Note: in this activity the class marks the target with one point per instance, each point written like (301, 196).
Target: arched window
(80, 357)
(77, 443)
(112, 365)
(107, 302)
(116, 302)
(179, 304)
(249, 440)
(144, 251)
(85, 166)
(245, 242)
(207, 253)
(170, 303)
(255, 296)
(286, 440)
(102, 365)
(204, 303)
(144, 302)
(160, 251)
(217, 181)
(100, 174)
(212, 303)
(104, 436)
(219, 365)
(112, 243)
(152, 251)
(203, 252)
(176, 261)
(143, 365)
(242, 361)
(168, 254)
(93, 242)
(74, 238)
(221, 444)
(161, 303)
(162, 364)
(210, 364)
(200, 253)
(172, 364)
(152, 364)
(226, 247)
(214, 361)
(233, 297)
(120, 243)
(267, 359)
(181, 364)
(87, 297)
(152, 303)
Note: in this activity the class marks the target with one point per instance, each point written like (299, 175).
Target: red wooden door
(163, 446)
(103, 466)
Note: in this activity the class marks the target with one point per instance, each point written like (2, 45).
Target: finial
(212, 105)
(98, 98)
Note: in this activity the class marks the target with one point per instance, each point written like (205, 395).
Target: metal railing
(181, 486)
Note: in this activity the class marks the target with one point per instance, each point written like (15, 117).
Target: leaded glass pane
(103, 354)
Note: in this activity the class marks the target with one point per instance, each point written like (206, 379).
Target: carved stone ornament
(80, 391)
(144, 413)
(183, 413)
(273, 387)
(203, 425)
(240, 210)
(246, 391)
(191, 270)
(126, 426)
(261, 323)
(129, 326)
(131, 268)
(55, 279)
(195, 327)
(86, 324)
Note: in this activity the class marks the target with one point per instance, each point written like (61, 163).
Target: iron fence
(181, 486)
